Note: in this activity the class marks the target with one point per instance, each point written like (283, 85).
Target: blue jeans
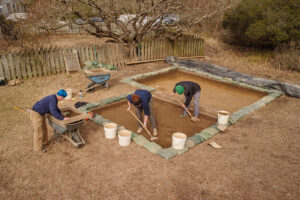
(196, 99)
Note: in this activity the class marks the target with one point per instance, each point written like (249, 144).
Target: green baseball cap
(179, 89)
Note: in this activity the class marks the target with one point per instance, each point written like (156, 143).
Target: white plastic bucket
(124, 137)
(223, 117)
(178, 140)
(69, 94)
(110, 130)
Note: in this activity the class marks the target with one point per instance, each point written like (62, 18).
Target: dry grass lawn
(260, 158)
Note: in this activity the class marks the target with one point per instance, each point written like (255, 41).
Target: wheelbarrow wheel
(90, 90)
(89, 86)
(75, 137)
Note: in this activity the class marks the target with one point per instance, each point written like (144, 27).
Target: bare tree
(124, 21)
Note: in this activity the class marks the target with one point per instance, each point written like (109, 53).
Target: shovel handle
(140, 123)
(183, 106)
(19, 109)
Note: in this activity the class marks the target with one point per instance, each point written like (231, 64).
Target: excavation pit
(215, 94)
(167, 116)
(218, 94)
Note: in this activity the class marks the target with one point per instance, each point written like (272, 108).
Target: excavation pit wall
(267, 96)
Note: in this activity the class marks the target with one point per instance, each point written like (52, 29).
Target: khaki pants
(40, 132)
(139, 113)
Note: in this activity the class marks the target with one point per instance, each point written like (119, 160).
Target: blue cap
(62, 93)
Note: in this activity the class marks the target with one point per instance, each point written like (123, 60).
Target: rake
(151, 137)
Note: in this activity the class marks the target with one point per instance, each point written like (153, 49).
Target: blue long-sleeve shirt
(48, 105)
(145, 97)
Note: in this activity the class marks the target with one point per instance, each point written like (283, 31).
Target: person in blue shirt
(47, 105)
(142, 101)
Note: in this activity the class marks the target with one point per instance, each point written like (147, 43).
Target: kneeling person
(142, 101)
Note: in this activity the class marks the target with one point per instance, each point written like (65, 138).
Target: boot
(155, 131)
(183, 115)
(139, 130)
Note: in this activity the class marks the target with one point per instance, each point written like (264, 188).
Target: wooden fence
(160, 49)
(49, 61)
(42, 62)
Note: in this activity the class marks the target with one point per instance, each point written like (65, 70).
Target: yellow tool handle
(140, 123)
(183, 106)
(19, 109)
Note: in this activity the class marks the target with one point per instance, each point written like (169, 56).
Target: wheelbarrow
(69, 129)
(70, 132)
(98, 79)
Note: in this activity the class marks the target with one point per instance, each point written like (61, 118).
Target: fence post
(1, 68)
(152, 50)
(202, 45)
(28, 66)
(56, 60)
(11, 67)
(38, 63)
(92, 53)
(139, 51)
(53, 68)
(61, 60)
(81, 54)
(6, 69)
(86, 50)
(32, 63)
(23, 65)
(43, 60)
(194, 43)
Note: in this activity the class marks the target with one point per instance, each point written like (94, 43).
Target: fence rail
(49, 61)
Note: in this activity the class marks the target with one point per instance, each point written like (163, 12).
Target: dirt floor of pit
(167, 118)
(214, 94)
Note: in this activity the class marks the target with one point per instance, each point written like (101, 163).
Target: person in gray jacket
(191, 90)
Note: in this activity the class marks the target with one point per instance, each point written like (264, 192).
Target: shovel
(151, 137)
(19, 109)
(194, 119)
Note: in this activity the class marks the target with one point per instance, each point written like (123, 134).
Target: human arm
(174, 89)
(54, 110)
(188, 98)
(146, 117)
(129, 105)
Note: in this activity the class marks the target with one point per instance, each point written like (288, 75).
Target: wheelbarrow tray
(78, 116)
(98, 79)
(96, 72)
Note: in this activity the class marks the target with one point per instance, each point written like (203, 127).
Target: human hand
(66, 118)
(129, 108)
(173, 94)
